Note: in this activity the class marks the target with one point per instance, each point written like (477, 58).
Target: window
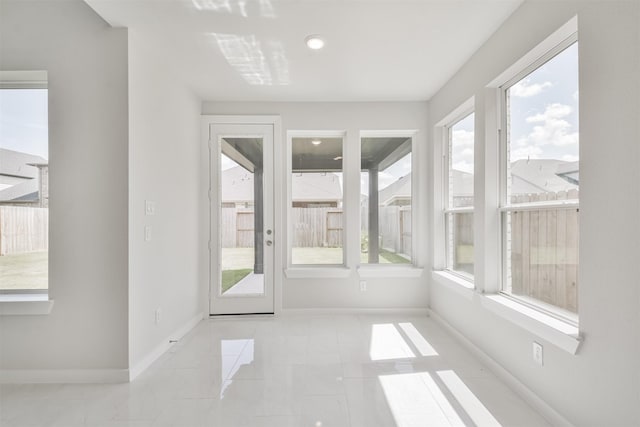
(459, 194)
(540, 190)
(316, 209)
(24, 182)
(385, 200)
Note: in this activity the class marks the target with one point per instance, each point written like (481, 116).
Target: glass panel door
(242, 219)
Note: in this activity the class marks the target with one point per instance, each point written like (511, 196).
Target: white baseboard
(512, 382)
(334, 311)
(161, 348)
(63, 376)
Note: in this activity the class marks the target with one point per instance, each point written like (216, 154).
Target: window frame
(363, 267)
(505, 207)
(27, 80)
(448, 211)
(291, 134)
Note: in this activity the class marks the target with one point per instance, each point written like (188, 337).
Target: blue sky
(24, 121)
(544, 110)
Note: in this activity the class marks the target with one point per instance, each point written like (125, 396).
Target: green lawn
(24, 271)
(231, 277)
(393, 258)
(238, 262)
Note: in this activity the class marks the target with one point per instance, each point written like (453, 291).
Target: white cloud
(462, 150)
(462, 138)
(553, 111)
(523, 89)
(552, 128)
(552, 136)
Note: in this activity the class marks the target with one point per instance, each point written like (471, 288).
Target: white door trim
(278, 159)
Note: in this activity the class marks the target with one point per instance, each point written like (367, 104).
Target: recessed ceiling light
(316, 141)
(314, 42)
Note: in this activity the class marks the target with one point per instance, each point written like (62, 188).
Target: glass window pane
(541, 245)
(460, 242)
(316, 201)
(542, 125)
(461, 163)
(543, 256)
(24, 189)
(460, 194)
(385, 200)
(241, 214)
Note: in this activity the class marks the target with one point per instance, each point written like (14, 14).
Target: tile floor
(317, 371)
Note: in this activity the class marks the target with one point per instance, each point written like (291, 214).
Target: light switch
(147, 233)
(149, 207)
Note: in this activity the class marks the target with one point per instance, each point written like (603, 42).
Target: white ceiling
(253, 50)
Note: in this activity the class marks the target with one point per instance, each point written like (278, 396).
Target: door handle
(269, 242)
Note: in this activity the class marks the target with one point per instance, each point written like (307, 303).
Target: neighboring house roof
(400, 189)
(14, 163)
(462, 183)
(538, 175)
(569, 171)
(25, 191)
(237, 186)
(21, 172)
(528, 176)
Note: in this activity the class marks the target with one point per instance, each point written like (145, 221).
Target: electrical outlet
(538, 355)
(363, 286)
(157, 315)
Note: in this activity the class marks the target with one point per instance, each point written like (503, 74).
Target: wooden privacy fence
(544, 251)
(395, 228)
(312, 227)
(319, 227)
(237, 228)
(543, 245)
(23, 229)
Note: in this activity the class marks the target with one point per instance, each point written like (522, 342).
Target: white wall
(164, 167)
(86, 62)
(600, 385)
(352, 118)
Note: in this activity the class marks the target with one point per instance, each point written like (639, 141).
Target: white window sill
(317, 272)
(555, 331)
(25, 304)
(389, 271)
(454, 282)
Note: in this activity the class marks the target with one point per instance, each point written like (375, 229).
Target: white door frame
(279, 242)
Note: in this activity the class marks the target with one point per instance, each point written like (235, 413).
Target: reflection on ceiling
(243, 8)
(382, 50)
(260, 66)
